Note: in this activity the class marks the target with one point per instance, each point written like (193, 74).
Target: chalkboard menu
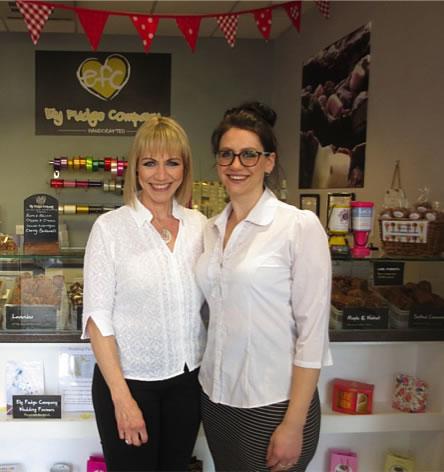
(41, 224)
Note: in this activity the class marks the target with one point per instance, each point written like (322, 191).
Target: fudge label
(388, 273)
(36, 406)
(365, 318)
(31, 316)
(426, 316)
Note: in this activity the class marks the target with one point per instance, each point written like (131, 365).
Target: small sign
(41, 224)
(31, 316)
(365, 318)
(388, 273)
(426, 316)
(36, 406)
(405, 231)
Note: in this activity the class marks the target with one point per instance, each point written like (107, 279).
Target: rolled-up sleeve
(311, 291)
(99, 282)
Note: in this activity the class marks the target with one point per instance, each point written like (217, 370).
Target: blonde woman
(142, 308)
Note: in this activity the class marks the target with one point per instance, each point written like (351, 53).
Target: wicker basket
(405, 237)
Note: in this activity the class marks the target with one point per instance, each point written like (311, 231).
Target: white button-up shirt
(146, 296)
(269, 299)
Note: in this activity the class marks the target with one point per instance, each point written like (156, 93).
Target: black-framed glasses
(248, 157)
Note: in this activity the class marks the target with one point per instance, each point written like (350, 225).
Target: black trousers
(171, 409)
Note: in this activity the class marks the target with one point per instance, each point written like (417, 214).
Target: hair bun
(260, 110)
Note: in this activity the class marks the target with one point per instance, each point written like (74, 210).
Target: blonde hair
(159, 134)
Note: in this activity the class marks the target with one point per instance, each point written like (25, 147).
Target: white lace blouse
(146, 296)
(269, 298)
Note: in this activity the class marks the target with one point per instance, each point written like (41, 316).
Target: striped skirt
(238, 438)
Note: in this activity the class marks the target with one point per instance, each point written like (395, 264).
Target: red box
(355, 398)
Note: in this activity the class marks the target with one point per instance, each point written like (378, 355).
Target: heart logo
(104, 81)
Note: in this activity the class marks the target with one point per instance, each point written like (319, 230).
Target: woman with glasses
(266, 275)
(142, 308)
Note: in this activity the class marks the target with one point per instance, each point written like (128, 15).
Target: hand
(130, 423)
(285, 447)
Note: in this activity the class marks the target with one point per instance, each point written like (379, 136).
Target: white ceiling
(65, 21)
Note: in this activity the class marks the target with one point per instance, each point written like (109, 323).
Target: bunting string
(36, 13)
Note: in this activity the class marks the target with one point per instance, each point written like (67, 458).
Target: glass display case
(41, 297)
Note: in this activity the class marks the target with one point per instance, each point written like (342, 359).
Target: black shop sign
(99, 93)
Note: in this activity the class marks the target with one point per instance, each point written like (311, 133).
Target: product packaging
(343, 460)
(352, 397)
(395, 462)
(410, 394)
(96, 463)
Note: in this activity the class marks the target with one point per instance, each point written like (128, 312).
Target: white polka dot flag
(263, 21)
(35, 17)
(146, 26)
(189, 25)
(293, 10)
(228, 26)
(324, 7)
(93, 23)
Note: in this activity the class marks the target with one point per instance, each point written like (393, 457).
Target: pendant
(166, 235)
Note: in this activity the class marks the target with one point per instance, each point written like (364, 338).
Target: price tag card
(388, 273)
(426, 316)
(365, 318)
(31, 316)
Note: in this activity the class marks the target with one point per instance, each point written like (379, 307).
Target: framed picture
(338, 199)
(309, 201)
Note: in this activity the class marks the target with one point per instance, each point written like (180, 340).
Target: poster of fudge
(334, 113)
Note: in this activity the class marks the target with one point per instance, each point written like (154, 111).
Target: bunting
(146, 26)
(228, 26)
(189, 25)
(263, 21)
(36, 13)
(93, 23)
(293, 10)
(324, 8)
(35, 16)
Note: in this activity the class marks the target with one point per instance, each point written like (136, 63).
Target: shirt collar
(141, 213)
(261, 214)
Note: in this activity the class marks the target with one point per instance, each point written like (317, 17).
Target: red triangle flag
(93, 23)
(35, 16)
(263, 21)
(228, 26)
(293, 10)
(189, 25)
(146, 27)
(324, 8)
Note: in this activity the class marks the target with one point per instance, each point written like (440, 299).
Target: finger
(143, 436)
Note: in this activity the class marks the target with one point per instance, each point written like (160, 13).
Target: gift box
(343, 460)
(352, 397)
(395, 462)
(410, 394)
(96, 463)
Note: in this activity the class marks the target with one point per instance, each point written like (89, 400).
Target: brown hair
(259, 119)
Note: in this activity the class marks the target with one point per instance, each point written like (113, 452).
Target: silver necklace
(166, 235)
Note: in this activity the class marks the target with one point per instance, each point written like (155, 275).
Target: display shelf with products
(374, 356)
